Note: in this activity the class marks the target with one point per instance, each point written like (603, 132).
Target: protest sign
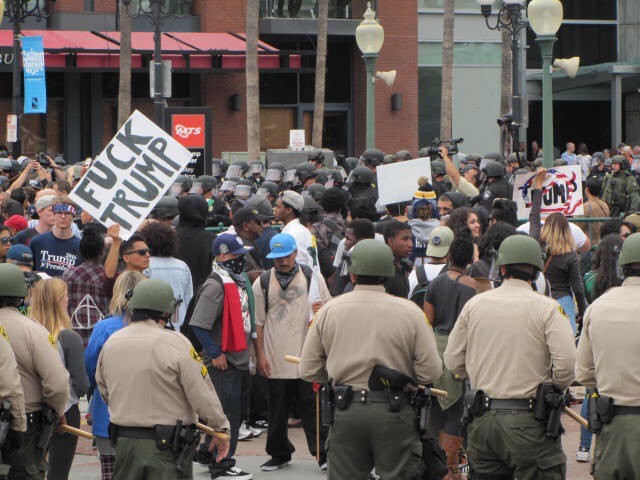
(397, 182)
(561, 193)
(131, 174)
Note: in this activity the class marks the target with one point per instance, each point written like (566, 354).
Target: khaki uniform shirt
(45, 380)
(10, 386)
(287, 323)
(150, 376)
(356, 331)
(511, 339)
(609, 348)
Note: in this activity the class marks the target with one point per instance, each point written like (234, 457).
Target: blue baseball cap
(282, 245)
(228, 243)
(20, 255)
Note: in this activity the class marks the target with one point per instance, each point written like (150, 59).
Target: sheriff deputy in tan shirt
(507, 341)
(609, 359)
(349, 336)
(45, 380)
(150, 376)
(10, 386)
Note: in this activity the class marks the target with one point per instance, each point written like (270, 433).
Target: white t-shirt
(337, 260)
(431, 269)
(578, 235)
(302, 235)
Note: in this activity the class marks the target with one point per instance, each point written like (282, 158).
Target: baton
(76, 431)
(432, 391)
(210, 431)
(578, 418)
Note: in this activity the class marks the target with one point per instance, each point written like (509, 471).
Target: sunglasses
(6, 240)
(142, 252)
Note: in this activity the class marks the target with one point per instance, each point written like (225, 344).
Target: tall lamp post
(545, 17)
(510, 18)
(17, 11)
(370, 37)
(156, 11)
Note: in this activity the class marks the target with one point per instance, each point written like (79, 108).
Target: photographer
(458, 182)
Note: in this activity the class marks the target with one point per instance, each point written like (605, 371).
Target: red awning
(186, 50)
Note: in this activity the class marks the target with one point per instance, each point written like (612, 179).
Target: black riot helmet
(237, 169)
(268, 188)
(493, 168)
(218, 168)
(256, 167)
(360, 176)
(305, 171)
(372, 157)
(275, 172)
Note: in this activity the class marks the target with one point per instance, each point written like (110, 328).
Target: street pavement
(251, 454)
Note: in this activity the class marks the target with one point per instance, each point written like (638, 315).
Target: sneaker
(255, 432)
(582, 455)
(234, 472)
(274, 464)
(261, 424)
(244, 433)
(323, 466)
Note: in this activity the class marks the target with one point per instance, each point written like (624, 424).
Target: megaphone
(387, 77)
(568, 65)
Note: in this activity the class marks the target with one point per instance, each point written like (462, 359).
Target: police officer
(45, 380)
(621, 190)
(609, 359)
(256, 168)
(509, 341)
(275, 173)
(392, 332)
(361, 184)
(305, 175)
(165, 210)
(495, 184)
(316, 158)
(439, 179)
(150, 377)
(372, 158)
(270, 191)
(403, 156)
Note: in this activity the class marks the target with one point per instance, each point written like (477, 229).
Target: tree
(506, 89)
(253, 80)
(446, 102)
(124, 86)
(321, 73)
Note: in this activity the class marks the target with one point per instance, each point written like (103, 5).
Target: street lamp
(545, 17)
(510, 18)
(17, 11)
(156, 11)
(370, 37)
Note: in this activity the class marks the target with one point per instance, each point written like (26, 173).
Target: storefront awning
(187, 50)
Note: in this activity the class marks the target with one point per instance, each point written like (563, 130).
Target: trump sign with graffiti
(561, 193)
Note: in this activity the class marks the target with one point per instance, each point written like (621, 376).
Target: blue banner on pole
(35, 86)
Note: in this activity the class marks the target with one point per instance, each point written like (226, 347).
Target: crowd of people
(252, 257)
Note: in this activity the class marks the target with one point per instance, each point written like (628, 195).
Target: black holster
(48, 420)
(327, 404)
(343, 396)
(605, 409)
(549, 404)
(113, 434)
(474, 406)
(5, 426)
(186, 441)
(595, 424)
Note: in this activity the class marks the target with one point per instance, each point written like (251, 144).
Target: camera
(451, 144)
(42, 159)
(507, 121)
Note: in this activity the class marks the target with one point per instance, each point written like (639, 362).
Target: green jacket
(621, 192)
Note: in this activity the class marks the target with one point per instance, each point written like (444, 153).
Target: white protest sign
(561, 192)
(397, 182)
(131, 174)
(296, 140)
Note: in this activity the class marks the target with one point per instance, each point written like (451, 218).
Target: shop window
(429, 93)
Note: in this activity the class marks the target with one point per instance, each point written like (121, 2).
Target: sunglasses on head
(6, 240)
(142, 252)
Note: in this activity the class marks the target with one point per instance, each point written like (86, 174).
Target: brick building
(82, 96)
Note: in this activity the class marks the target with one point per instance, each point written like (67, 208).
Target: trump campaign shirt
(53, 255)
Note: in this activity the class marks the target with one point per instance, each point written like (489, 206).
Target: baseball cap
(44, 201)
(439, 242)
(246, 214)
(228, 243)
(293, 199)
(20, 255)
(16, 222)
(282, 245)
(262, 205)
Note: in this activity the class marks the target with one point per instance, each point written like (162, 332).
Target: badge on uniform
(3, 332)
(195, 355)
(203, 371)
(561, 310)
(52, 340)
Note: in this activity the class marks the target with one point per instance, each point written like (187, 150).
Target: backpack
(420, 290)
(184, 328)
(265, 277)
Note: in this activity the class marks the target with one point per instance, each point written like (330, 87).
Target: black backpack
(265, 277)
(184, 328)
(420, 290)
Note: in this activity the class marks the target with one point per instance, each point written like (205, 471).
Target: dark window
(429, 93)
(594, 44)
(278, 88)
(589, 9)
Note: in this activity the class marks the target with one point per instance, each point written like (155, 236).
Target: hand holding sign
(131, 174)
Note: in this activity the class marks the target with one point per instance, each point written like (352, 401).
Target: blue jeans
(585, 433)
(569, 308)
(228, 384)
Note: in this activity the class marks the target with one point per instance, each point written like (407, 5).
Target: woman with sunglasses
(6, 240)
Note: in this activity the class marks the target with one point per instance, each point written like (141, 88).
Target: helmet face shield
(257, 168)
(273, 175)
(242, 191)
(291, 176)
(228, 186)
(263, 191)
(216, 170)
(234, 171)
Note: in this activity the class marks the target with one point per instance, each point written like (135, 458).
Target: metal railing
(338, 9)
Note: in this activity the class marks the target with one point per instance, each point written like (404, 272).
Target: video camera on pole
(508, 122)
(451, 144)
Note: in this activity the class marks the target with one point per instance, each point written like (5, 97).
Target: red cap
(16, 222)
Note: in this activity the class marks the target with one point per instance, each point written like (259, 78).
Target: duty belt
(622, 410)
(518, 404)
(144, 433)
(366, 396)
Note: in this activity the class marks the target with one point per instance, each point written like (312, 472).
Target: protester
(288, 210)
(397, 235)
(6, 239)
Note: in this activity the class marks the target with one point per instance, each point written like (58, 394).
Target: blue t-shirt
(53, 255)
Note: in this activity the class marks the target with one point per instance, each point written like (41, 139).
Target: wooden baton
(578, 418)
(210, 431)
(433, 391)
(77, 431)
